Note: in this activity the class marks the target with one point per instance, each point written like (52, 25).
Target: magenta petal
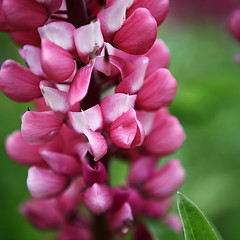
(31, 56)
(135, 38)
(98, 144)
(141, 170)
(115, 105)
(52, 5)
(61, 69)
(80, 84)
(174, 222)
(90, 118)
(24, 38)
(40, 127)
(24, 14)
(97, 174)
(61, 163)
(148, 208)
(134, 81)
(21, 151)
(44, 183)
(157, 91)
(60, 33)
(112, 19)
(146, 119)
(43, 214)
(234, 23)
(158, 8)
(121, 220)
(159, 57)
(166, 136)
(88, 40)
(54, 98)
(98, 198)
(165, 181)
(18, 82)
(125, 132)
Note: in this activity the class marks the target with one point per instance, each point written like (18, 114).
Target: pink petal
(44, 183)
(121, 220)
(88, 40)
(174, 222)
(61, 69)
(141, 170)
(43, 214)
(31, 56)
(24, 38)
(125, 132)
(134, 81)
(159, 57)
(40, 127)
(98, 198)
(148, 208)
(54, 98)
(165, 181)
(234, 23)
(24, 14)
(96, 174)
(146, 119)
(60, 33)
(115, 105)
(97, 143)
(112, 19)
(166, 136)
(135, 38)
(18, 82)
(62, 163)
(80, 84)
(21, 151)
(52, 5)
(158, 8)
(157, 91)
(90, 118)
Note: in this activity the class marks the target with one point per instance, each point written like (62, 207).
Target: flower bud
(166, 135)
(165, 181)
(98, 198)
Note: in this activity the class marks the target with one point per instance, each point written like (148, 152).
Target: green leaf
(160, 231)
(195, 224)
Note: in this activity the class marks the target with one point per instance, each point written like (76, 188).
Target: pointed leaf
(195, 224)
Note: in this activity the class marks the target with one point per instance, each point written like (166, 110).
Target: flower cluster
(101, 85)
(234, 27)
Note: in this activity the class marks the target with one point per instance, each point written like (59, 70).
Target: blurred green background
(208, 106)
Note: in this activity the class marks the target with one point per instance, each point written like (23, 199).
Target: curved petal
(21, 151)
(115, 105)
(157, 91)
(44, 183)
(159, 57)
(18, 82)
(61, 69)
(31, 56)
(98, 198)
(52, 5)
(90, 118)
(97, 143)
(79, 86)
(60, 33)
(88, 40)
(23, 38)
(24, 15)
(61, 163)
(40, 127)
(135, 38)
(158, 8)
